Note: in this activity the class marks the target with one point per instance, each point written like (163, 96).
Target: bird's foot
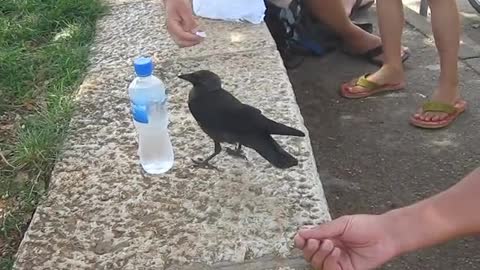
(200, 163)
(236, 153)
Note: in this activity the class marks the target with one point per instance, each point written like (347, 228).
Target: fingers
(299, 242)
(310, 249)
(181, 24)
(332, 261)
(331, 229)
(320, 256)
(182, 37)
(188, 20)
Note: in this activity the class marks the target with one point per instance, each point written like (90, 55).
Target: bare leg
(333, 13)
(348, 5)
(446, 30)
(391, 21)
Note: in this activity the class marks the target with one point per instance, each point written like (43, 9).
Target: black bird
(227, 120)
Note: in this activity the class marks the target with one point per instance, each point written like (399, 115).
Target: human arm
(448, 215)
(361, 242)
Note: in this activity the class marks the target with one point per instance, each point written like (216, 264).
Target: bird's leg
(204, 163)
(237, 152)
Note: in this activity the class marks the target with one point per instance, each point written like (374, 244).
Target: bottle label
(140, 113)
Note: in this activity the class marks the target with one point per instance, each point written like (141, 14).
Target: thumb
(331, 229)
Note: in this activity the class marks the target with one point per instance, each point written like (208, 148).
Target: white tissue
(252, 11)
(201, 34)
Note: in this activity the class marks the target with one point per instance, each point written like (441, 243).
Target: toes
(423, 117)
(355, 89)
(431, 117)
(428, 117)
(436, 118)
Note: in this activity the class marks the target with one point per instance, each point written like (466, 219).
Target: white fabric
(252, 11)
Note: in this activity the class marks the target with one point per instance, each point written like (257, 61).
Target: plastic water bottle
(150, 116)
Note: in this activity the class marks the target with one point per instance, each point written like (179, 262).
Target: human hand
(359, 242)
(181, 24)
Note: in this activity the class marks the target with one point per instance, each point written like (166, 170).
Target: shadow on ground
(371, 160)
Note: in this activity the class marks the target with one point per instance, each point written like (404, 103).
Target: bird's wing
(249, 119)
(222, 111)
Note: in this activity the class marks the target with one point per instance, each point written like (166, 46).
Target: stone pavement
(371, 160)
(103, 212)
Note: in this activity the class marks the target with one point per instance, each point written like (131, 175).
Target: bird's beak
(186, 77)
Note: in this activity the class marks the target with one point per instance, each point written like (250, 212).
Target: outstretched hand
(181, 23)
(358, 242)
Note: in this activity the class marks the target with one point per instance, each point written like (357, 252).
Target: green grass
(44, 47)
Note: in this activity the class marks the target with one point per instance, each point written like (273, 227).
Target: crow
(227, 120)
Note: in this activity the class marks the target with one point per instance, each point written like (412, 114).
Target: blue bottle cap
(143, 66)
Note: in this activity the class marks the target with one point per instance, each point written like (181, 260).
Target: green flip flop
(453, 112)
(370, 87)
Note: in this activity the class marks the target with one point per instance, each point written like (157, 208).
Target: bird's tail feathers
(274, 153)
(281, 129)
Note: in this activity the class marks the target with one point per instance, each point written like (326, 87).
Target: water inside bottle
(155, 150)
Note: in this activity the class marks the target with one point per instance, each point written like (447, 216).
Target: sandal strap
(434, 106)
(367, 84)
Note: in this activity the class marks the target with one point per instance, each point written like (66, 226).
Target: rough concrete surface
(103, 212)
(371, 160)
(138, 28)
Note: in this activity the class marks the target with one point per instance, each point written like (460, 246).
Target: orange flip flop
(371, 87)
(453, 112)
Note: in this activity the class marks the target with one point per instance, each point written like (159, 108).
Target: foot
(200, 163)
(236, 153)
(443, 95)
(386, 77)
(360, 42)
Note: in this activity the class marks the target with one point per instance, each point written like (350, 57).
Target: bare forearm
(445, 216)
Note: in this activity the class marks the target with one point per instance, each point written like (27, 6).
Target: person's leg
(333, 13)
(390, 21)
(446, 30)
(348, 5)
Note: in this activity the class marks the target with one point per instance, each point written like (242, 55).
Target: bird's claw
(203, 164)
(236, 153)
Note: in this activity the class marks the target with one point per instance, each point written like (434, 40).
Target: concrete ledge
(138, 28)
(266, 263)
(103, 212)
